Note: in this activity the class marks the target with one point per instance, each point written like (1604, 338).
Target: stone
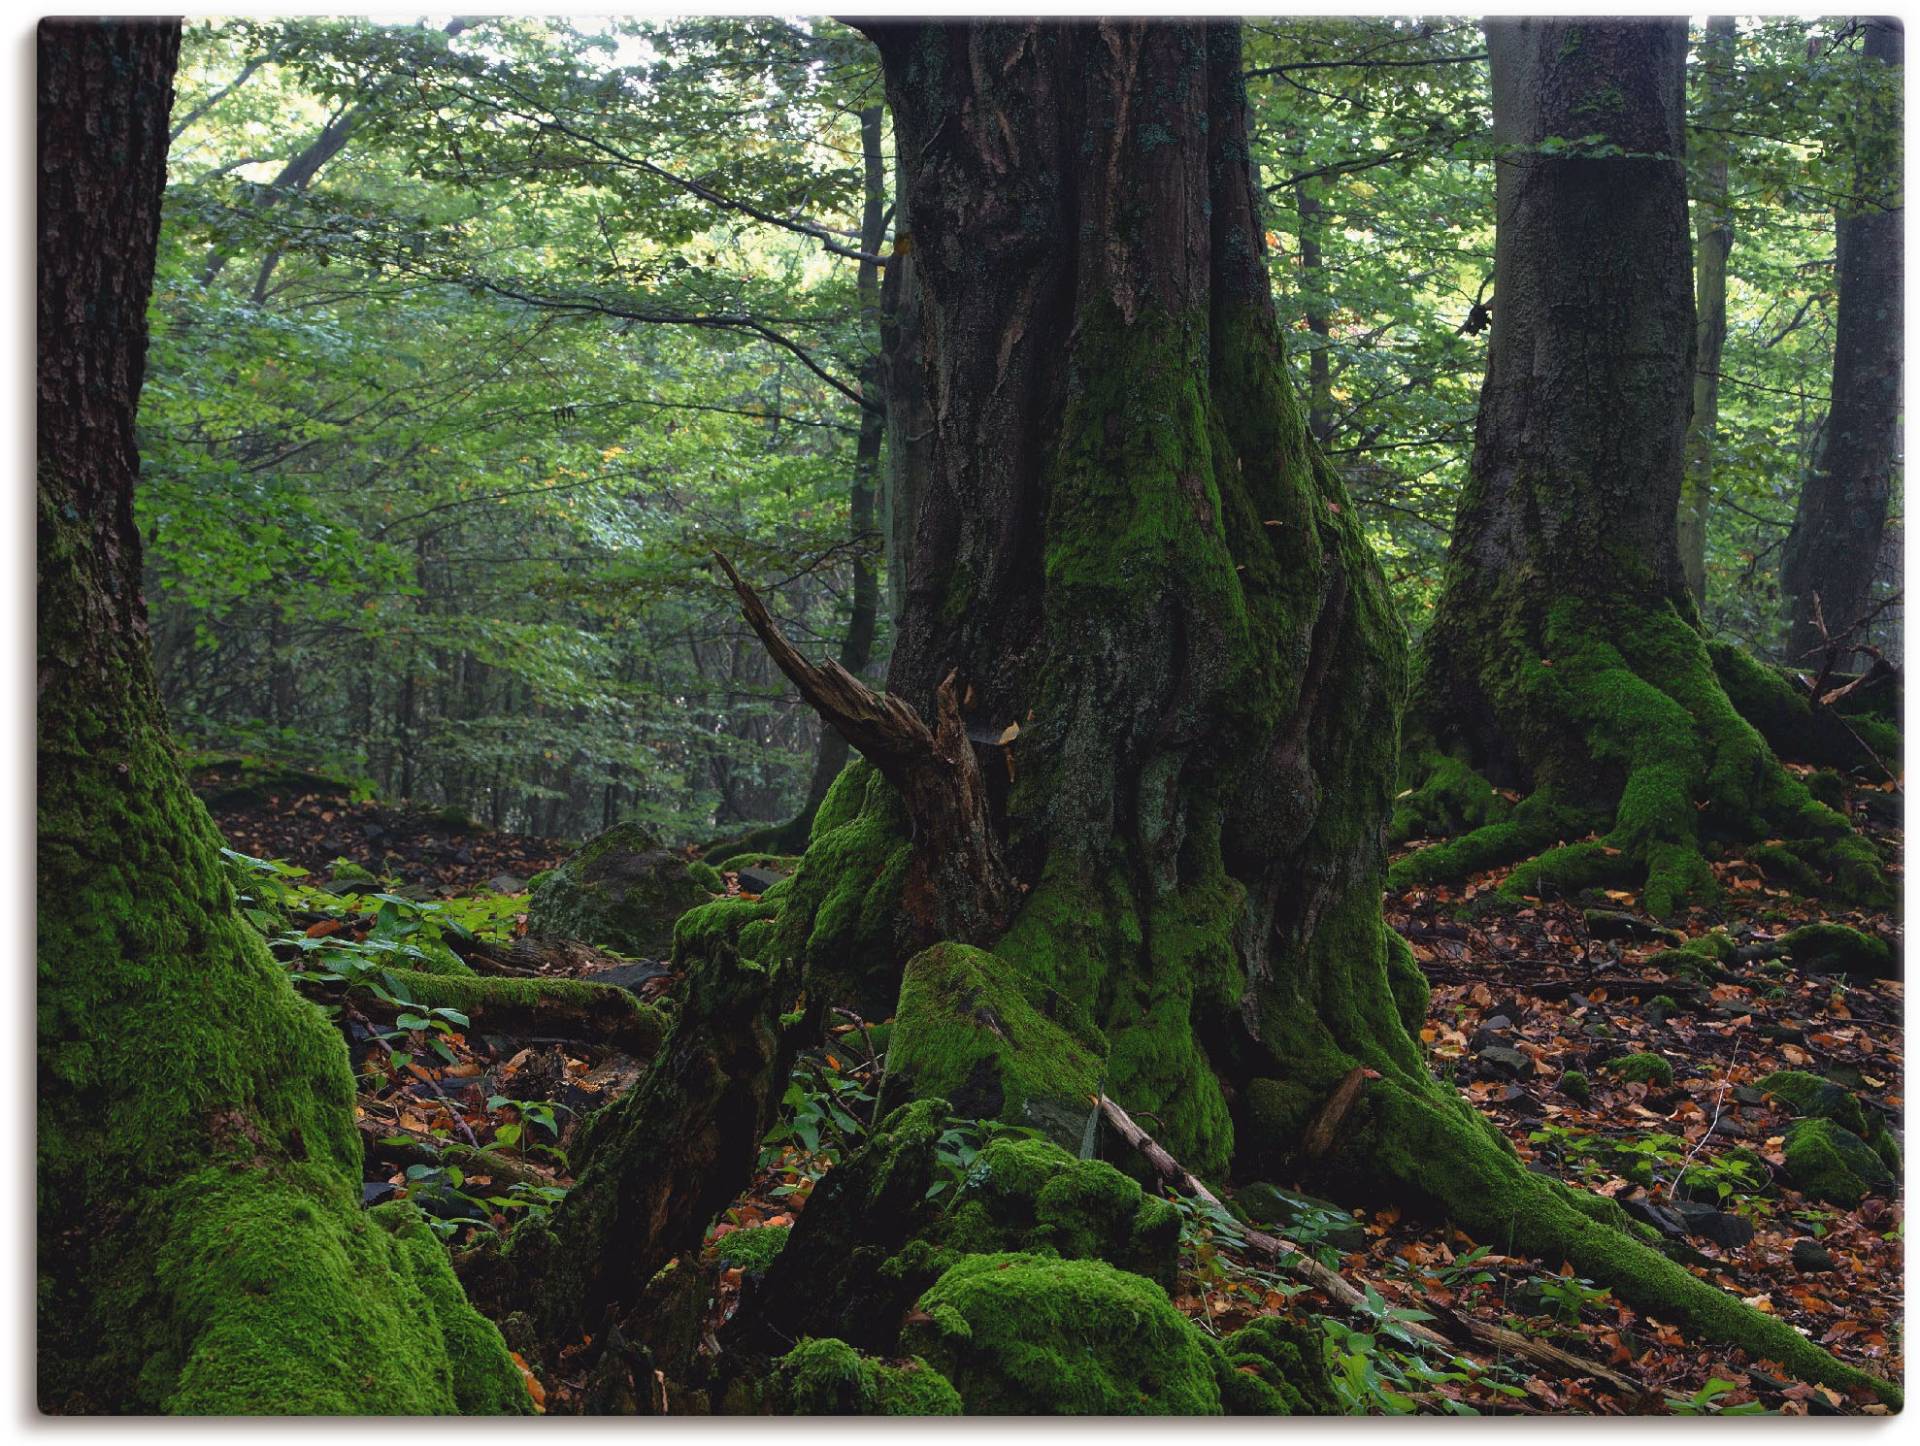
(629, 976)
(622, 892)
(507, 884)
(1733, 1231)
(1499, 1059)
(758, 880)
(1811, 1257)
(1658, 1216)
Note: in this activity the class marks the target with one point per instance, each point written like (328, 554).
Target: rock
(1649, 1069)
(1658, 1216)
(758, 880)
(1501, 1060)
(1812, 1257)
(1612, 924)
(1493, 1031)
(1831, 1163)
(622, 891)
(1811, 1097)
(373, 1192)
(1733, 1231)
(1730, 1128)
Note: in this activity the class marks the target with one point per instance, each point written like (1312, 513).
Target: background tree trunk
(1713, 225)
(201, 1245)
(1834, 549)
(1564, 655)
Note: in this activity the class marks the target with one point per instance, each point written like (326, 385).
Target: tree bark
(1565, 656)
(201, 1244)
(1313, 290)
(1834, 549)
(1713, 223)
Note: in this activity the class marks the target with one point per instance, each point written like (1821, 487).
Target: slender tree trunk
(903, 385)
(1313, 292)
(1564, 656)
(856, 648)
(202, 1246)
(1834, 549)
(1713, 222)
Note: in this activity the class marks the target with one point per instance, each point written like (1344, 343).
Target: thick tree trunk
(1834, 550)
(903, 381)
(201, 1245)
(1713, 225)
(1565, 656)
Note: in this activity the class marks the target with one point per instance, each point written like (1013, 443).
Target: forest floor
(1521, 997)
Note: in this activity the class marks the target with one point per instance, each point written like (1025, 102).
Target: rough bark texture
(1834, 550)
(1565, 656)
(1713, 227)
(202, 1246)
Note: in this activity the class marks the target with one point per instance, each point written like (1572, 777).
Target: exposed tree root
(1297, 1260)
(1626, 727)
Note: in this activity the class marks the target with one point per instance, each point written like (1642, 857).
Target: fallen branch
(1343, 1293)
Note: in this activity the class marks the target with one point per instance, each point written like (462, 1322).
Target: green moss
(1275, 1366)
(1642, 1069)
(830, 1378)
(1781, 865)
(622, 891)
(1781, 710)
(706, 876)
(1033, 1335)
(1573, 1084)
(1411, 994)
(1837, 947)
(840, 914)
(699, 931)
(1445, 796)
(971, 1029)
(1832, 1163)
(1617, 708)
(201, 1244)
(1808, 1095)
(751, 1249)
(1030, 1195)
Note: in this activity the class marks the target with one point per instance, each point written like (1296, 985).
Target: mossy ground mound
(830, 1378)
(1832, 1163)
(622, 892)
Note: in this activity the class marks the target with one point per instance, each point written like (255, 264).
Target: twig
(1337, 1288)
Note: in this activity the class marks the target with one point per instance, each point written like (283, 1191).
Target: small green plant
(822, 1117)
(1567, 1296)
(1706, 1402)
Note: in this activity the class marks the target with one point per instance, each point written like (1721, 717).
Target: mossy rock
(1022, 1335)
(1574, 1085)
(1274, 1366)
(830, 1378)
(622, 892)
(971, 1029)
(706, 876)
(1809, 1096)
(344, 872)
(1835, 947)
(1831, 1163)
(1642, 1069)
(750, 1250)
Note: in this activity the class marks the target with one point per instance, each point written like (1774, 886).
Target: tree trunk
(1714, 231)
(856, 648)
(903, 383)
(1313, 293)
(202, 1247)
(1564, 656)
(1834, 550)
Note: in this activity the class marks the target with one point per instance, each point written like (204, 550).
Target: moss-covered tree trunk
(1714, 241)
(202, 1246)
(1139, 847)
(1834, 549)
(1565, 656)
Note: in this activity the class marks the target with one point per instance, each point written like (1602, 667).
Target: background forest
(471, 342)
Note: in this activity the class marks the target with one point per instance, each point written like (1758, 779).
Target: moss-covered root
(1429, 1144)
(1793, 727)
(659, 1163)
(567, 1008)
(1628, 729)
